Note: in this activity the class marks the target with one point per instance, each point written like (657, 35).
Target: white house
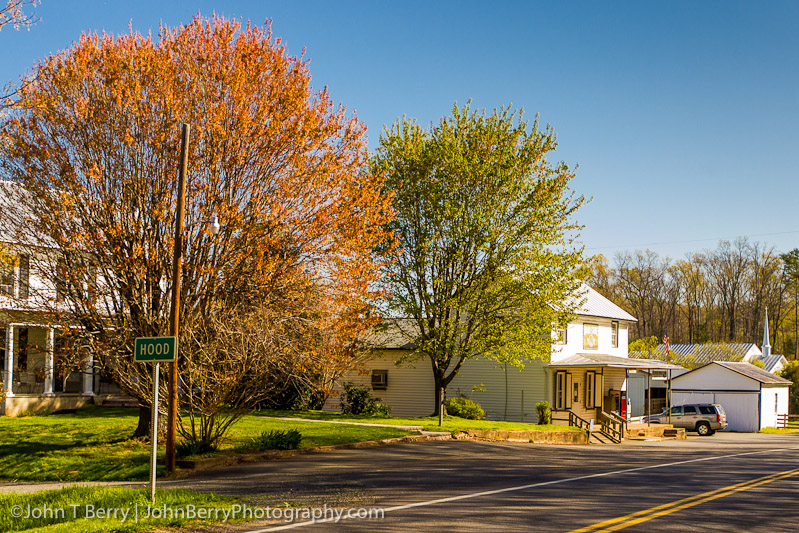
(751, 396)
(586, 375)
(30, 344)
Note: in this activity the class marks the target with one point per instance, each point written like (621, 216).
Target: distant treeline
(718, 295)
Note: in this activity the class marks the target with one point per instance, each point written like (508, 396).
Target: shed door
(684, 397)
(742, 410)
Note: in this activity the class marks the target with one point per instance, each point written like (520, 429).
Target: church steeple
(766, 348)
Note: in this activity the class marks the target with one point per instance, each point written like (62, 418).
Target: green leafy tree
(484, 224)
(791, 371)
(791, 273)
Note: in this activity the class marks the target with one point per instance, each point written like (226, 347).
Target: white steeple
(766, 348)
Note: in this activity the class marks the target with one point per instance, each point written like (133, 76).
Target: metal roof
(698, 353)
(613, 361)
(772, 361)
(745, 369)
(594, 304)
(15, 215)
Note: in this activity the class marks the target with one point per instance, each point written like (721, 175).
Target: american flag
(666, 348)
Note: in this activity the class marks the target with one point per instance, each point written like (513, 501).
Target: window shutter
(568, 390)
(598, 386)
(24, 276)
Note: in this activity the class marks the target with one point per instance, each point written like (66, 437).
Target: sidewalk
(35, 486)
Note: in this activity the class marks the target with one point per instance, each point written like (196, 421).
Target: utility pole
(175, 315)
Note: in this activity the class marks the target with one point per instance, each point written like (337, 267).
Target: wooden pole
(175, 316)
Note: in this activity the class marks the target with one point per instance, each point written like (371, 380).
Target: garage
(751, 397)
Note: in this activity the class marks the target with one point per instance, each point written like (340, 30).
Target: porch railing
(612, 426)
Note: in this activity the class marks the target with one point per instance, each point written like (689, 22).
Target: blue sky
(683, 116)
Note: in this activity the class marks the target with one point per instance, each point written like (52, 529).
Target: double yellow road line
(622, 522)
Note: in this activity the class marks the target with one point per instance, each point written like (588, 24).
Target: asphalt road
(727, 482)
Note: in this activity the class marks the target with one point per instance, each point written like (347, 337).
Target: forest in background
(717, 295)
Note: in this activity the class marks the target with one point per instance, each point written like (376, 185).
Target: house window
(14, 277)
(379, 379)
(614, 334)
(563, 387)
(7, 277)
(776, 403)
(561, 335)
(590, 336)
(576, 393)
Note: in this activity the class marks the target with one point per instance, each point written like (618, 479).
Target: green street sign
(155, 349)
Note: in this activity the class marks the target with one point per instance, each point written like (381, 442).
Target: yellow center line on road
(622, 522)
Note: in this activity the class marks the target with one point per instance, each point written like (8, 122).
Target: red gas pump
(623, 408)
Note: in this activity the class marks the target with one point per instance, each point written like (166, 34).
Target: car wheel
(703, 428)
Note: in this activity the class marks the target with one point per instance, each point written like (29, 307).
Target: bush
(278, 440)
(188, 448)
(544, 412)
(465, 408)
(358, 401)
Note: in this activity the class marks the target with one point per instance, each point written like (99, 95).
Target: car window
(690, 410)
(676, 410)
(706, 410)
(719, 408)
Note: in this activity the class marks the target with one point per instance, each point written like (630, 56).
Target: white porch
(31, 380)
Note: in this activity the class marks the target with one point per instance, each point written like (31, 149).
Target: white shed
(751, 396)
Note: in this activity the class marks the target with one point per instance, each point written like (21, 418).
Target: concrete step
(118, 401)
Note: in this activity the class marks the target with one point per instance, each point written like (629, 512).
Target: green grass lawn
(93, 444)
(78, 509)
(429, 423)
(781, 431)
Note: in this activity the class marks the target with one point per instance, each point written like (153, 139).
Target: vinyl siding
(502, 398)
(410, 390)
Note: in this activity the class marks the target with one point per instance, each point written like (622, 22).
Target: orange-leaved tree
(93, 141)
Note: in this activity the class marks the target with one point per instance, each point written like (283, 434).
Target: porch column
(49, 362)
(88, 376)
(9, 377)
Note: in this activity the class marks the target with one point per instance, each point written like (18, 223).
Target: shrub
(544, 412)
(358, 401)
(278, 440)
(465, 408)
(188, 448)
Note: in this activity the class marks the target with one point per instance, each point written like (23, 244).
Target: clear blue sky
(682, 115)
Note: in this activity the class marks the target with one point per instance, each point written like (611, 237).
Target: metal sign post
(154, 432)
(155, 350)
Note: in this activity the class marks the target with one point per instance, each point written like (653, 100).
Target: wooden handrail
(612, 426)
(576, 421)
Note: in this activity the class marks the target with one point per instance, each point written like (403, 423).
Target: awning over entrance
(612, 361)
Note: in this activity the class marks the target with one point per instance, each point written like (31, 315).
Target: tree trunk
(143, 427)
(440, 391)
